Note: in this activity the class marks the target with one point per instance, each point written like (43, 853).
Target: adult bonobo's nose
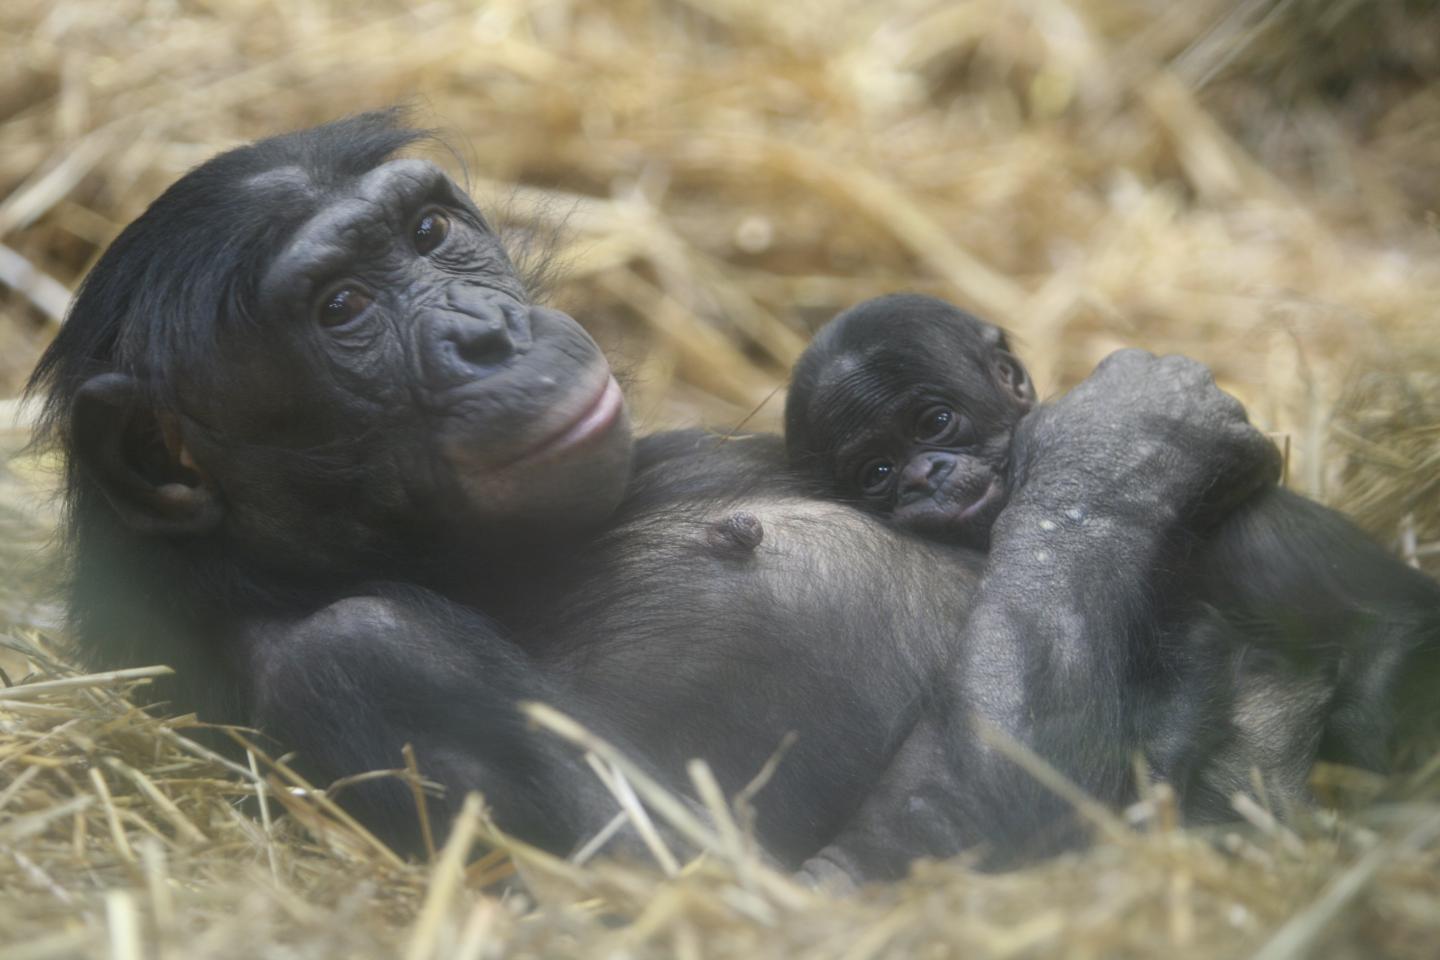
(924, 474)
(475, 333)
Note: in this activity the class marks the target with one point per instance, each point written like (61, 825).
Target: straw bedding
(1250, 182)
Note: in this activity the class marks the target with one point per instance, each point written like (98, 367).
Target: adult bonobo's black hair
(150, 307)
(193, 258)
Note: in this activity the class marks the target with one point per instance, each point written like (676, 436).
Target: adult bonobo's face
(905, 405)
(327, 357)
(399, 307)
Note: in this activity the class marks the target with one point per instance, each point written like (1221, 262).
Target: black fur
(360, 491)
(904, 406)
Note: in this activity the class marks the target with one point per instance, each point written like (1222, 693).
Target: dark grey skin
(1287, 636)
(327, 459)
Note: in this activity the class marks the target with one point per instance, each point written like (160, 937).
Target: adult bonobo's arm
(1061, 630)
(1057, 642)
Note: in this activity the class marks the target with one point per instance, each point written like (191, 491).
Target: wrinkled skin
(361, 492)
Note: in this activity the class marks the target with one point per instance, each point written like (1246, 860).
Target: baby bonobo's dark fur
(906, 405)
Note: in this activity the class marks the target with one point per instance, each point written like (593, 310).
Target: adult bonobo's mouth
(597, 416)
(554, 402)
(555, 457)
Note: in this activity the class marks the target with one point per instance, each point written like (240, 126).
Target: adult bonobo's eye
(935, 424)
(430, 231)
(875, 475)
(342, 305)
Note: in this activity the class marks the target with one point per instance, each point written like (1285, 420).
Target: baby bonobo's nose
(924, 474)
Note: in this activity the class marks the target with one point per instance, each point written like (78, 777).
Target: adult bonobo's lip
(566, 463)
(595, 417)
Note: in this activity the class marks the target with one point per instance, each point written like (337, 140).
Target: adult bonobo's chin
(326, 459)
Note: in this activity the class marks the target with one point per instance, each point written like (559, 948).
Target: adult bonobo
(314, 427)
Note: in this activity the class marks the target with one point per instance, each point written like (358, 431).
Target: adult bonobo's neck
(135, 601)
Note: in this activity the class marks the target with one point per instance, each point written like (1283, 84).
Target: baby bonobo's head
(905, 405)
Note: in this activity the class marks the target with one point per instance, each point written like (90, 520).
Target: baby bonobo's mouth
(980, 503)
(955, 516)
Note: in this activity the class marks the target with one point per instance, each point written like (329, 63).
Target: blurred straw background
(1255, 183)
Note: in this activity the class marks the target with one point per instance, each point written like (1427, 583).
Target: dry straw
(1247, 181)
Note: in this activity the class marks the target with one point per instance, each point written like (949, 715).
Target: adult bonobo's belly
(705, 627)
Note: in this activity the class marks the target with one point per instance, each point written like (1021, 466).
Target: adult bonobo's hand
(1152, 437)
(1055, 648)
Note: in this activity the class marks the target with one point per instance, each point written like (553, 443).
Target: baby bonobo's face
(905, 405)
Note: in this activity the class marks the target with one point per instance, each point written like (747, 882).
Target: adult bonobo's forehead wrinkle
(378, 206)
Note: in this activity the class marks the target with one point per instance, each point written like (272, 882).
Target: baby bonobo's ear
(1009, 371)
(1010, 374)
(993, 337)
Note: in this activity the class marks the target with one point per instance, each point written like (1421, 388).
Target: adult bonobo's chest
(725, 610)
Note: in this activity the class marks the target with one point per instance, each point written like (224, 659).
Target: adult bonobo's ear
(1011, 375)
(139, 461)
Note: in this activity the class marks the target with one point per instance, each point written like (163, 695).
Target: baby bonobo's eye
(874, 476)
(935, 424)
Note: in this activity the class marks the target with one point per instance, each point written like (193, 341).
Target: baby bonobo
(907, 406)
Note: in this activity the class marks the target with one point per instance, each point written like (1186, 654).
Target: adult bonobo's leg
(1057, 644)
(351, 685)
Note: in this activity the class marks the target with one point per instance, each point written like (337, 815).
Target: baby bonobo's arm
(1104, 477)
